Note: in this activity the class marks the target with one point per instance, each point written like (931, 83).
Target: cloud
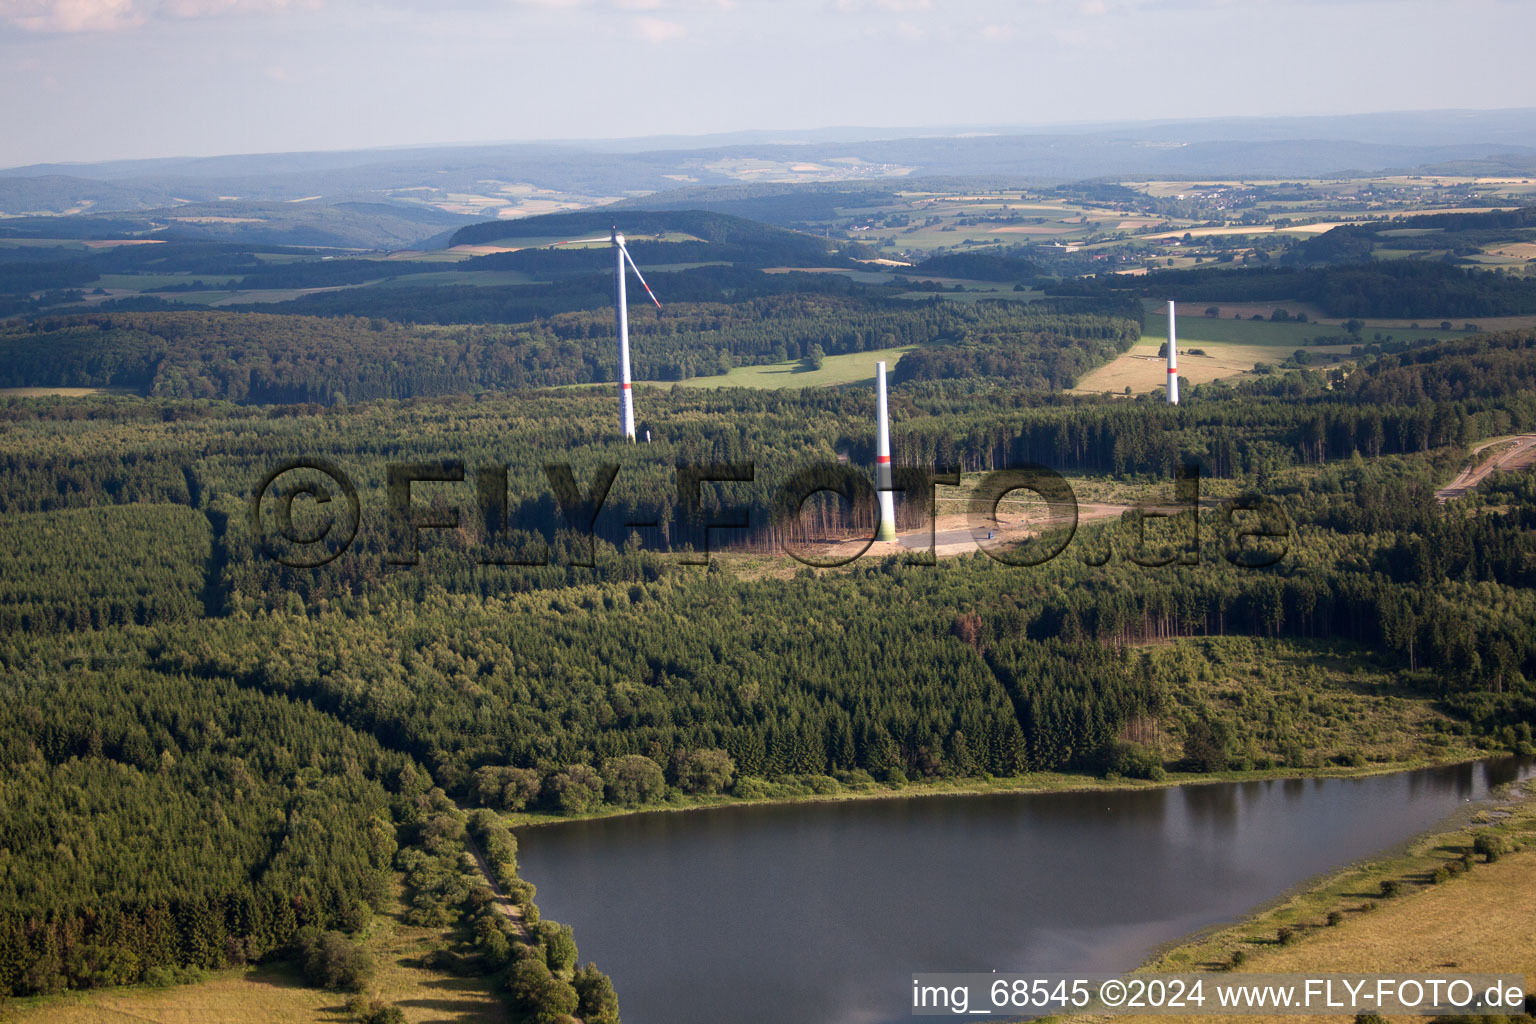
(658, 30)
(71, 15)
(214, 8)
(74, 16)
(888, 6)
(997, 33)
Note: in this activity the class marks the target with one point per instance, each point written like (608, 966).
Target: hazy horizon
(102, 80)
(833, 133)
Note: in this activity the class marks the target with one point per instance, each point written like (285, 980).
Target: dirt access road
(952, 535)
(504, 903)
(1518, 455)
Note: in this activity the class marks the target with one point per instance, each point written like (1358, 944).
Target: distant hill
(783, 205)
(721, 238)
(347, 225)
(595, 172)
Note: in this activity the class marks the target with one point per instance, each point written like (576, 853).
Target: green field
(964, 221)
(483, 278)
(1231, 347)
(855, 368)
(145, 282)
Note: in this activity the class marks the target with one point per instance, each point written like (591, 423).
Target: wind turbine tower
(1173, 359)
(621, 317)
(887, 528)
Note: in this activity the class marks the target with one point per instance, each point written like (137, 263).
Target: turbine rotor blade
(641, 276)
(578, 241)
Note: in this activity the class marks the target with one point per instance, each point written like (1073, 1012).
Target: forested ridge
(1376, 288)
(772, 244)
(257, 357)
(207, 754)
(692, 255)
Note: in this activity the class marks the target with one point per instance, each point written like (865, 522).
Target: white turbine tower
(621, 315)
(887, 529)
(621, 319)
(1173, 359)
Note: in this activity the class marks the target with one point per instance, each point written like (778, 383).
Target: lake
(821, 913)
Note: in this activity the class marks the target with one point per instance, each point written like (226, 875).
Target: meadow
(1475, 920)
(852, 368)
(1231, 346)
(276, 993)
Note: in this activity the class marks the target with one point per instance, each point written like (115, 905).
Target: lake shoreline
(1082, 881)
(1035, 782)
(1401, 859)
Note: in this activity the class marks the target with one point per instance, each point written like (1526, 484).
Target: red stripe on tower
(882, 459)
(625, 386)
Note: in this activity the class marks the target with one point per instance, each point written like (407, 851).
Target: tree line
(311, 728)
(1377, 288)
(250, 357)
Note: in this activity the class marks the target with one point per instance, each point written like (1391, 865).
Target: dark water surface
(820, 913)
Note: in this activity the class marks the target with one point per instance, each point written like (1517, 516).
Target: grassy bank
(1418, 908)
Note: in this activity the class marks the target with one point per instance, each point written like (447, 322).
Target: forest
(256, 357)
(330, 723)
(1460, 233)
(1377, 288)
(980, 266)
(218, 754)
(697, 256)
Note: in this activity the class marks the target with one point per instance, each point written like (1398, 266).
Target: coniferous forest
(218, 749)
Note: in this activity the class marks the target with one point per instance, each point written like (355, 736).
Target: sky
(110, 79)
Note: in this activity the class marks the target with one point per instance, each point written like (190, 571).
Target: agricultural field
(853, 368)
(1227, 348)
(150, 282)
(927, 221)
(60, 392)
(1146, 222)
(1232, 343)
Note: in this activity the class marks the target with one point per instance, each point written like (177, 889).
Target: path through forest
(504, 903)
